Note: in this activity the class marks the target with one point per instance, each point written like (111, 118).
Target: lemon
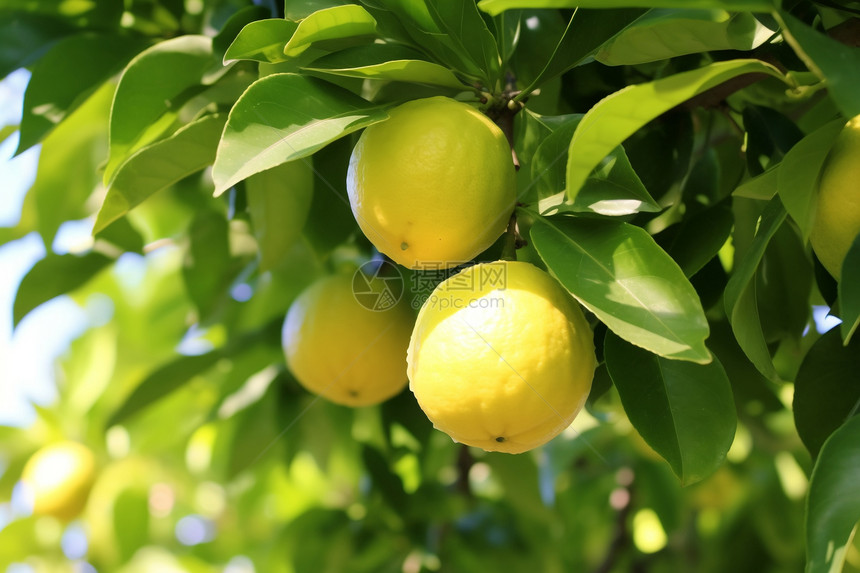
(837, 218)
(434, 185)
(342, 350)
(501, 357)
(57, 479)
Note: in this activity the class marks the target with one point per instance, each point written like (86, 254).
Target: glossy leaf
(142, 107)
(283, 117)
(612, 189)
(826, 390)
(52, 276)
(832, 61)
(684, 411)
(262, 41)
(470, 35)
(332, 28)
(763, 186)
(494, 7)
(585, 33)
(618, 116)
(698, 238)
(849, 291)
(618, 272)
(159, 165)
(664, 34)
(63, 79)
(279, 200)
(235, 24)
(386, 62)
(740, 295)
(797, 178)
(507, 26)
(833, 505)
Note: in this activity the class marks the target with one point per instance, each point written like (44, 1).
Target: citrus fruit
(342, 350)
(434, 185)
(837, 217)
(58, 478)
(501, 357)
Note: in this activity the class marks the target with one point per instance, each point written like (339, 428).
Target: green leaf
(279, 200)
(612, 189)
(121, 233)
(208, 269)
(826, 390)
(283, 117)
(26, 37)
(698, 238)
(162, 381)
(493, 7)
(332, 29)
(68, 165)
(585, 33)
(55, 275)
(684, 411)
(797, 178)
(664, 34)
(262, 41)
(386, 62)
(620, 115)
(830, 60)
(470, 35)
(763, 186)
(235, 24)
(507, 26)
(618, 272)
(740, 294)
(849, 291)
(66, 76)
(159, 165)
(144, 105)
(833, 504)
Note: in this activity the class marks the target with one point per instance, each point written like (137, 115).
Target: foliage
(668, 157)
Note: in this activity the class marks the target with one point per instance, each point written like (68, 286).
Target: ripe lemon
(837, 218)
(434, 185)
(58, 478)
(501, 357)
(342, 350)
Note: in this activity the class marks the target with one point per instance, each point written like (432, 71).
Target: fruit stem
(513, 241)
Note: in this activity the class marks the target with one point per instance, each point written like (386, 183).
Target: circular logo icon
(377, 285)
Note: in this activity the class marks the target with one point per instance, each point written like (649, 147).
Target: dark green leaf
(684, 411)
(797, 177)
(283, 117)
(826, 390)
(122, 234)
(160, 165)
(833, 505)
(849, 291)
(55, 275)
(278, 201)
(762, 186)
(66, 76)
(585, 33)
(494, 7)
(234, 26)
(384, 480)
(698, 238)
(262, 41)
(507, 26)
(207, 263)
(143, 107)
(664, 34)
(465, 27)
(740, 296)
(832, 61)
(332, 29)
(618, 272)
(255, 434)
(26, 37)
(620, 115)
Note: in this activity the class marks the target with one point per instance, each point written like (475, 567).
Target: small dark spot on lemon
(404, 245)
(500, 439)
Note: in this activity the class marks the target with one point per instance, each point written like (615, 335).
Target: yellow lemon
(837, 218)
(434, 185)
(343, 349)
(501, 357)
(57, 479)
